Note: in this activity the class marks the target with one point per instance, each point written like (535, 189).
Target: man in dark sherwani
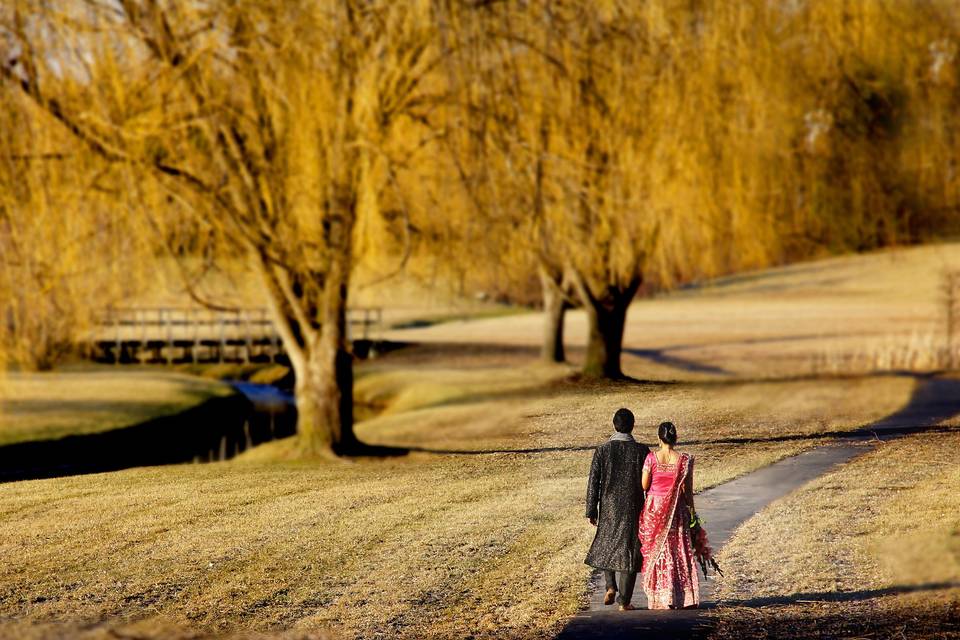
(614, 503)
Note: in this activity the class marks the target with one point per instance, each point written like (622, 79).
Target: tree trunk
(605, 338)
(324, 396)
(555, 305)
(606, 320)
(324, 390)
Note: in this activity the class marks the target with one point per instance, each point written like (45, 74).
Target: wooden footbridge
(140, 335)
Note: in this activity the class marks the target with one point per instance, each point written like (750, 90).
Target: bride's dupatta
(653, 536)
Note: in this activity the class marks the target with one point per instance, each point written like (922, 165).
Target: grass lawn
(426, 546)
(485, 407)
(434, 545)
(874, 552)
(49, 405)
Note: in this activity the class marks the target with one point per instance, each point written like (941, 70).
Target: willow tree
(60, 206)
(613, 61)
(561, 116)
(504, 77)
(274, 124)
(535, 79)
(854, 149)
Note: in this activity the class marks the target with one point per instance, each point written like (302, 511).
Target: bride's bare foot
(626, 607)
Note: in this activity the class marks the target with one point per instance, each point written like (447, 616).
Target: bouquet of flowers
(701, 546)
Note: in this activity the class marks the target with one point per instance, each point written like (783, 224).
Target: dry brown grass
(874, 552)
(536, 407)
(427, 547)
(424, 546)
(48, 405)
(849, 315)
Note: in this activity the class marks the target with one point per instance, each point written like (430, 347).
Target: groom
(614, 502)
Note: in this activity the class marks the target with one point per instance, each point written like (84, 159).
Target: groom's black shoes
(610, 596)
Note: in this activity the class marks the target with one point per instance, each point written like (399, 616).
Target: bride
(670, 577)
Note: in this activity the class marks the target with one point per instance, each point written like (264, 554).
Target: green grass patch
(50, 405)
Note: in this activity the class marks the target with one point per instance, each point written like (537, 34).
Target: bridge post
(223, 341)
(141, 319)
(168, 319)
(116, 324)
(249, 338)
(195, 343)
(274, 347)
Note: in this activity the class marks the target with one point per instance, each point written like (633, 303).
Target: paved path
(729, 505)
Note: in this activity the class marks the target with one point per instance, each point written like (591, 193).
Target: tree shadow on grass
(363, 450)
(859, 614)
(933, 401)
(660, 356)
(487, 452)
(840, 596)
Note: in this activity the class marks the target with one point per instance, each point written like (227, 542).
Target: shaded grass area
(49, 405)
(874, 552)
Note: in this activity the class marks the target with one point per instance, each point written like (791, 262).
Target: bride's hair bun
(668, 433)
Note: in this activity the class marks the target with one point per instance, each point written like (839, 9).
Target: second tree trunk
(555, 305)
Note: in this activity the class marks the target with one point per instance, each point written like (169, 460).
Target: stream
(217, 429)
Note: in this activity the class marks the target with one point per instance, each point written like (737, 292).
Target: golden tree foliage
(272, 123)
(802, 128)
(671, 141)
(599, 145)
(65, 252)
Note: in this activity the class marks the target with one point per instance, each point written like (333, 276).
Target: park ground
(873, 552)
(479, 531)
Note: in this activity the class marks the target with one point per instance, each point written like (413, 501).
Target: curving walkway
(729, 505)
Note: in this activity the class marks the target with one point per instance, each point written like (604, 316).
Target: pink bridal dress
(670, 577)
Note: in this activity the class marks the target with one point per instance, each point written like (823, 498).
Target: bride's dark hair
(667, 433)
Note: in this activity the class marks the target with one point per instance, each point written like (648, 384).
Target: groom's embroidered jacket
(615, 500)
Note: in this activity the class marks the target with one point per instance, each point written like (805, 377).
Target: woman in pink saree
(670, 577)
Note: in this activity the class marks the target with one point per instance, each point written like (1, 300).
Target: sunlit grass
(431, 547)
(512, 407)
(422, 546)
(873, 551)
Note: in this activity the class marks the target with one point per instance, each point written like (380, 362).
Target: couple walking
(641, 503)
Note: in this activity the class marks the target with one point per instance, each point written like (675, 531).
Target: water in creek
(217, 429)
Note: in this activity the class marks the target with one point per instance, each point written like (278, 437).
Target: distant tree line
(591, 147)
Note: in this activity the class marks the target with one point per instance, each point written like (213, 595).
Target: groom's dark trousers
(622, 582)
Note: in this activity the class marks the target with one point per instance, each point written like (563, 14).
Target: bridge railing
(195, 334)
